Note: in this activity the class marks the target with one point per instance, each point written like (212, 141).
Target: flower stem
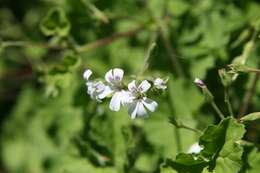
(148, 56)
(180, 125)
(215, 107)
(253, 70)
(248, 96)
(227, 100)
(176, 130)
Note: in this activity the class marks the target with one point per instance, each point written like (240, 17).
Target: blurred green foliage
(49, 123)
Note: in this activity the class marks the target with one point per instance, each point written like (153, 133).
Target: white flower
(120, 97)
(114, 76)
(195, 148)
(96, 90)
(160, 84)
(138, 103)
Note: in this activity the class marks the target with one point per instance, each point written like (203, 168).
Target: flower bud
(208, 96)
(199, 83)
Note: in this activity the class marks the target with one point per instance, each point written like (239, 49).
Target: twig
(108, 40)
(6, 44)
(248, 96)
(83, 48)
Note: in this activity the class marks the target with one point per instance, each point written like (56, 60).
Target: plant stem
(180, 125)
(7, 44)
(110, 39)
(215, 107)
(13, 43)
(152, 45)
(176, 130)
(248, 96)
(227, 100)
(82, 48)
(253, 70)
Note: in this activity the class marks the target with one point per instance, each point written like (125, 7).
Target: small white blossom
(96, 90)
(139, 104)
(160, 84)
(195, 148)
(120, 97)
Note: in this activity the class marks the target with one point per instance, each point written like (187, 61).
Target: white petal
(132, 86)
(118, 74)
(100, 87)
(87, 73)
(109, 76)
(140, 109)
(144, 86)
(132, 109)
(115, 102)
(158, 81)
(107, 91)
(150, 104)
(128, 97)
(195, 148)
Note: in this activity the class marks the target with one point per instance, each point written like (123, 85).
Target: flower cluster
(133, 96)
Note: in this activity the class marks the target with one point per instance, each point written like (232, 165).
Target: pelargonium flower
(160, 83)
(96, 90)
(139, 103)
(120, 97)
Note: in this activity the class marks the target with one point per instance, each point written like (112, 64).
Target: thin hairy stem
(215, 107)
(149, 53)
(180, 125)
(227, 101)
(248, 96)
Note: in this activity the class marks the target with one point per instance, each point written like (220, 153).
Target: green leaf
(178, 7)
(253, 161)
(186, 163)
(55, 23)
(251, 117)
(229, 158)
(221, 150)
(221, 145)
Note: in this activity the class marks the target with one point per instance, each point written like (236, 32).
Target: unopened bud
(208, 96)
(199, 83)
